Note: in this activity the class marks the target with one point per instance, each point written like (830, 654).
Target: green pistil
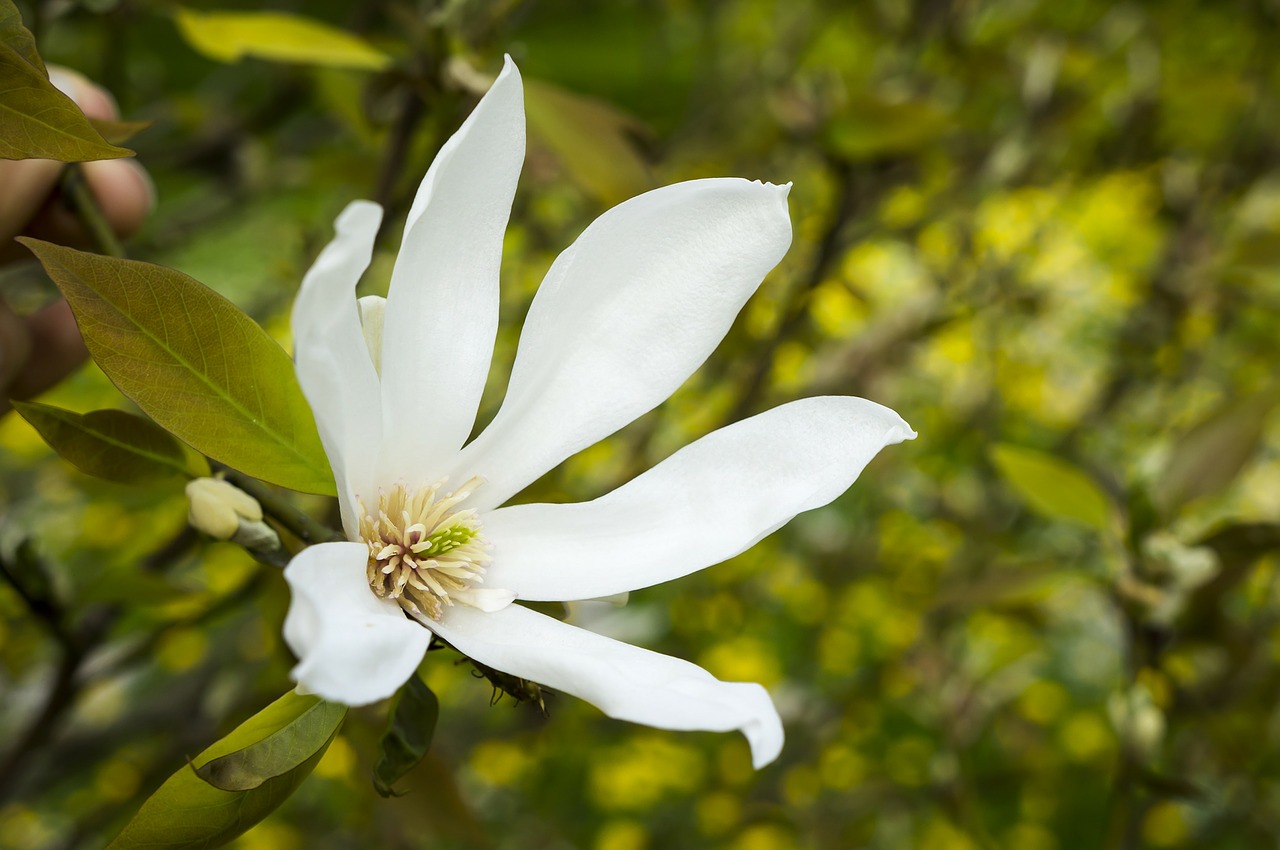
(444, 540)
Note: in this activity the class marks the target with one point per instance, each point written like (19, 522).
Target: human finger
(29, 182)
(27, 185)
(56, 350)
(123, 193)
(122, 188)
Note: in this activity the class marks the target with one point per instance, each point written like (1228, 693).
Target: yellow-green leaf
(117, 131)
(112, 444)
(277, 37)
(195, 363)
(1053, 487)
(296, 737)
(280, 744)
(37, 120)
(593, 141)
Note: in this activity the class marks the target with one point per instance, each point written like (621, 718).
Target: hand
(39, 350)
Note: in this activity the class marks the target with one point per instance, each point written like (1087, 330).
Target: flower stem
(281, 511)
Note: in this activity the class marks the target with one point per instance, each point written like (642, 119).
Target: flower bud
(225, 512)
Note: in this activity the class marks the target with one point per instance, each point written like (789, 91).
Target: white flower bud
(218, 508)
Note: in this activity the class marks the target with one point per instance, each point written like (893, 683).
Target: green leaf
(291, 744)
(1210, 456)
(117, 131)
(1054, 488)
(39, 121)
(277, 37)
(285, 740)
(112, 444)
(408, 737)
(194, 363)
(593, 141)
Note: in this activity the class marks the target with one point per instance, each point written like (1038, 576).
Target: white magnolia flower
(623, 317)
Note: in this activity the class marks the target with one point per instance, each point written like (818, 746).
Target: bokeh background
(1046, 233)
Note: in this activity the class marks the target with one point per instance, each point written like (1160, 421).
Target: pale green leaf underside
(278, 37)
(1053, 487)
(195, 363)
(112, 444)
(592, 139)
(187, 813)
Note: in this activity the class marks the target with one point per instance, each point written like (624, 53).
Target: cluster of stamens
(423, 550)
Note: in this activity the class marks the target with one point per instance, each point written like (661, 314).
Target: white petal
(623, 317)
(373, 311)
(707, 502)
(623, 681)
(332, 360)
(352, 647)
(442, 307)
(484, 598)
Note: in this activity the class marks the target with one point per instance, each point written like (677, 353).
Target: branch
(77, 192)
(846, 209)
(73, 649)
(281, 510)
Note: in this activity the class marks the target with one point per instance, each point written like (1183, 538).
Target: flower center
(424, 552)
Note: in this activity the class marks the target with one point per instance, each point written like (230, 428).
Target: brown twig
(77, 192)
(279, 509)
(407, 118)
(73, 647)
(846, 208)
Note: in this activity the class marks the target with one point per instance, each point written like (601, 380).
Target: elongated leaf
(194, 363)
(1053, 487)
(280, 752)
(278, 37)
(117, 131)
(1210, 456)
(593, 140)
(112, 444)
(39, 121)
(408, 737)
(188, 813)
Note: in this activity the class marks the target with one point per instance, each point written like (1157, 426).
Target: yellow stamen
(434, 551)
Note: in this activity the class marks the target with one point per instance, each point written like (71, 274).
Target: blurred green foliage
(1053, 227)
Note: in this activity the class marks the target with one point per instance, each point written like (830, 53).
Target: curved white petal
(332, 360)
(623, 317)
(442, 307)
(706, 503)
(352, 647)
(484, 598)
(623, 681)
(373, 311)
